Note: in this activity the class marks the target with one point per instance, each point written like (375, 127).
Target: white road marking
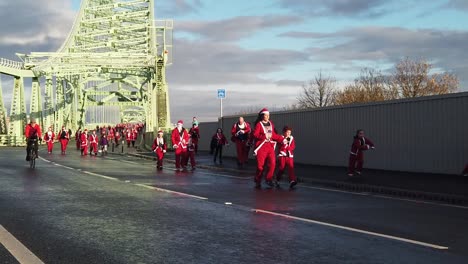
(17, 249)
(101, 176)
(173, 192)
(301, 186)
(353, 229)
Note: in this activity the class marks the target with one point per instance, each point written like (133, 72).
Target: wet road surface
(119, 209)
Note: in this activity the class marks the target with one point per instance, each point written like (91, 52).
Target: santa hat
(264, 111)
(160, 132)
(180, 122)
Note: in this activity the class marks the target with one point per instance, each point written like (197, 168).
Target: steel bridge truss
(111, 68)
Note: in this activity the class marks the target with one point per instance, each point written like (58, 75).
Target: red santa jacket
(194, 134)
(49, 136)
(239, 133)
(93, 139)
(33, 131)
(179, 139)
(360, 144)
(286, 148)
(260, 136)
(84, 139)
(159, 143)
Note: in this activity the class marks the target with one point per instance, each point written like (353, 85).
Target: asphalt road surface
(119, 209)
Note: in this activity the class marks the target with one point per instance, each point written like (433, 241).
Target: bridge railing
(11, 141)
(11, 63)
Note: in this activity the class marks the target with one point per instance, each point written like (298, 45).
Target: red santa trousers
(355, 163)
(159, 157)
(265, 155)
(63, 144)
(180, 157)
(242, 151)
(50, 145)
(93, 147)
(283, 163)
(190, 156)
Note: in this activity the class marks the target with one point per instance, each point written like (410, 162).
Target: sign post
(221, 96)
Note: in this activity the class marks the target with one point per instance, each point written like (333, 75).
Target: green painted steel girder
(115, 56)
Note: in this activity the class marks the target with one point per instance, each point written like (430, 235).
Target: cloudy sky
(262, 51)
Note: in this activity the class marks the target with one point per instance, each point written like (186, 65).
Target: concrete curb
(353, 187)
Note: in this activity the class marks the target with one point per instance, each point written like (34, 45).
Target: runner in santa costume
(356, 156)
(49, 139)
(180, 138)
(465, 171)
(93, 143)
(63, 137)
(286, 157)
(129, 137)
(84, 142)
(195, 134)
(240, 135)
(159, 147)
(191, 153)
(220, 141)
(78, 138)
(265, 142)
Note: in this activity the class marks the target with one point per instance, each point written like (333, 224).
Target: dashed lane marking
(100, 176)
(173, 192)
(353, 229)
(302, 186)
(17, 249)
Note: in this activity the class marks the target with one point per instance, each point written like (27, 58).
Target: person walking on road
(356, 156)
(49, 139)
(93, 143)
(63, 137)
(195, 135)
(220, 140)
(180, 139)
(465, 171)
(33, 134)
(265, 138)
(84, 142)
(104, 143)
(240, 135)
(159, 147)
(285, 157)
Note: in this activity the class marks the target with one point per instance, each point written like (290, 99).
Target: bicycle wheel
(32, 159)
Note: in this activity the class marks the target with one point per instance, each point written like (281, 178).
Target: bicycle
(33, 153)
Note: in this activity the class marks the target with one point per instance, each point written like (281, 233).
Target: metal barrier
(11, 63)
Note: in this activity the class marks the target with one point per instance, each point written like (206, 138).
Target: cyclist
(33, 134)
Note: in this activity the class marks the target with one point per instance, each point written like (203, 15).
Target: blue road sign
(221, 93)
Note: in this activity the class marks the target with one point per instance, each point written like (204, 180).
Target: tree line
(409, 78)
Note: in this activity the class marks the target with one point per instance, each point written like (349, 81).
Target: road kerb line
(353, 229)
(169, 191)
(17, 249)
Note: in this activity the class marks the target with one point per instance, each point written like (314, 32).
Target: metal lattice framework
(111, 68)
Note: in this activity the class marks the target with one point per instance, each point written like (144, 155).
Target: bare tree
(319, 92)
(412, 79)
(370, 86)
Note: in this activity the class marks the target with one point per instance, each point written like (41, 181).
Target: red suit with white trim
(93, 143)
(286, 158)
(63, 136)
(159, 147)
(84, 143)
(49, 139)
(180, 138)
(356, 156)
(265, 142)
(240, 136)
